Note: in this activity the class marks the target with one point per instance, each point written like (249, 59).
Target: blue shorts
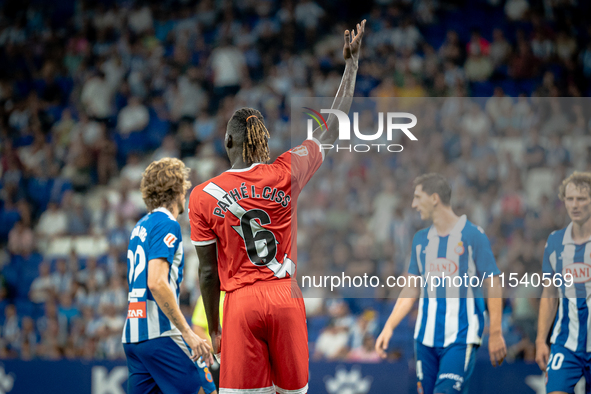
(444, 370)
(162, 365)
(565, 369)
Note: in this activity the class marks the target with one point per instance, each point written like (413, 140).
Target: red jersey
(251, 214)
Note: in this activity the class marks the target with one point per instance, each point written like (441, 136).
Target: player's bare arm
(497, 349)
(344, 95)
(209, 282)
(403, 306)
(158, 270)
(548, 307)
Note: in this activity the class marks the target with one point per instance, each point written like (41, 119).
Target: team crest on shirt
(419, 388)
(169, 240)
(580, 272)
(460, 248)
(300, 150)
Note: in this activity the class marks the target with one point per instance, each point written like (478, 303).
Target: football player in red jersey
(241, 226)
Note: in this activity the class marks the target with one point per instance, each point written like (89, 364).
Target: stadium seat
(90, 246)
(156, 130)
(539, 181)
(10, 274)
(578, 146)
(528, 86)
(434, 35)
(66, 84)
(134, 142)
(510, 88)
(358, 305)
(514, 146)
(482, 89)
(7, 220)
(24, 307)
(315, 326)
(60, 247)
(40, 192)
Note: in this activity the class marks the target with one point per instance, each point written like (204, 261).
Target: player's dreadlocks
(249, 123)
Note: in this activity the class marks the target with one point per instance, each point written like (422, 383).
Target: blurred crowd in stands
(92, 91)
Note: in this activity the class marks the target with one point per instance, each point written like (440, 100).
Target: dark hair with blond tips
(582, 180)
(247, 126)
(163, 182)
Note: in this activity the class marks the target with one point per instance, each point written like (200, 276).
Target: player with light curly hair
(165, 183)
(163, 353)
(567, 308)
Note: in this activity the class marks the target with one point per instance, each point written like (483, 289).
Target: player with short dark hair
(242, 225)
(450, 319)
(162, 351)
(568, 251)
(435, 183)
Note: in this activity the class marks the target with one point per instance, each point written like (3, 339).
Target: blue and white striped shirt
(156, 235)
(451, 314)
(573, 321)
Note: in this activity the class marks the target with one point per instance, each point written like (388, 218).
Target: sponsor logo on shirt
(581, 272)
(136, 310)
(169, 240)
(300, 151)
(441, 266)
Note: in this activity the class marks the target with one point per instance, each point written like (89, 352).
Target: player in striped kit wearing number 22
(162, 351)
(568, 251)
(450, 322)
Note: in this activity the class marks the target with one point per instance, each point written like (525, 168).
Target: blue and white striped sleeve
(483, 255)
(413, 267)
(546, 266)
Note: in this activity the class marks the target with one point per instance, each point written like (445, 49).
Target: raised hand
(353, 43)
